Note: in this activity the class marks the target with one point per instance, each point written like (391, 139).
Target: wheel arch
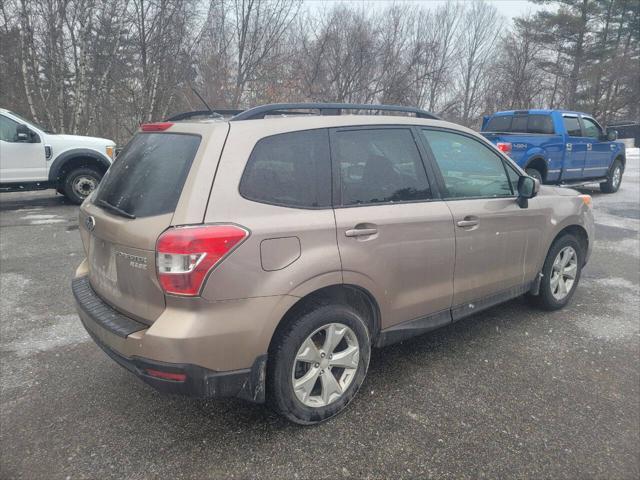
(79, 157)
(577, 231)
(353, 295)
(622, 160)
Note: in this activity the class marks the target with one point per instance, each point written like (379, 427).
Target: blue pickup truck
(558, 146)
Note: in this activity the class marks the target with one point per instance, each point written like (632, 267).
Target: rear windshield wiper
(115, 209)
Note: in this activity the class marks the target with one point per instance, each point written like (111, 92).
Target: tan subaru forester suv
(262, 256)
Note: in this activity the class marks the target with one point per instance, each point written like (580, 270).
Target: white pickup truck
(32, 158)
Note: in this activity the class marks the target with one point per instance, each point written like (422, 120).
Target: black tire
(80, 182)
(280, 392)
(545, 298)
(613, 182)
(535, 173)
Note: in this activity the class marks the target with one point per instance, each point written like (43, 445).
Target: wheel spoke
(554, 281)
(330, 386)
(308, 352)
(333, 338)
(570, 271)
(305, 384)
(566, 256)
(562, 286)
(347, 358)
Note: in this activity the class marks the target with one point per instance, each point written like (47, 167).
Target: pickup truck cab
(558, 146)
(33, 158)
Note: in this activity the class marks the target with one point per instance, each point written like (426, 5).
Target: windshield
(31, 122)
(146, 179)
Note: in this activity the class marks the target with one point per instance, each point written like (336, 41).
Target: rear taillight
(186, 255)
(155, 127)
(504, 147)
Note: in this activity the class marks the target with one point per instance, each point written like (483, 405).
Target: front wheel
(80, 183)
(318, 363)
(560, 273)
(614, 179)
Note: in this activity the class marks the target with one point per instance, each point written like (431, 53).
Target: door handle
(360, 232)
(468, 222)
(589, 146)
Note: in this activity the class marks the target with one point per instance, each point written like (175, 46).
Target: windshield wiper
(115, 209)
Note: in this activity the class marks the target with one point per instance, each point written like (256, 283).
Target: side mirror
(23, 133)
(528, 187)
(612, 135)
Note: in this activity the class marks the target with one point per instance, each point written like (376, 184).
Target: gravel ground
(511, 392)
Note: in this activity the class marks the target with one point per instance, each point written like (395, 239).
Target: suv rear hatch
(136, 201)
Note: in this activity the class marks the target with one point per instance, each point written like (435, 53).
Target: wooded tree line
(101, 67)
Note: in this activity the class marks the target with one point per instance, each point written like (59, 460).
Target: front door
(20, 161)
(496, 240)
(575, 152)
(393, 235)
(598, 150)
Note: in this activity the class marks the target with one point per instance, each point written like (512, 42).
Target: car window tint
(591, 128)
(519, 124)
(147, 178)
(572, 126)
(500, 123)
(290, 169)
(469, 168)
(8, 129)
(540, 124)
(379, 166)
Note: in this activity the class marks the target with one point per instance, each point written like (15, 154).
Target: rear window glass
(290, 169)
(147, 177)
(533, 123)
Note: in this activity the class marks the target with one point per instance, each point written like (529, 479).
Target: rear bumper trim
(248, 384)
(104, 315)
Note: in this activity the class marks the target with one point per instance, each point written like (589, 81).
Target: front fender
(64, 157)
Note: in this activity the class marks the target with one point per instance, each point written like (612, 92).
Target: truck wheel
(560, 273)
(614, 179)
(318, 363)
(535, 173)
(80, 182)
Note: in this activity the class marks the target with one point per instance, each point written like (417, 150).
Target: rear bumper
(110, 329)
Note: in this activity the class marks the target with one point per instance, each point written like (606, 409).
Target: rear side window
(147, 177)
(379, 166)
(540, 124)
(572, 125)
(290, 169)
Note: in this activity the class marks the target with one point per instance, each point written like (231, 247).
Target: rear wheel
(318, 363)
(80, 182)
(560, 274)
(614, 179)
(535, 173)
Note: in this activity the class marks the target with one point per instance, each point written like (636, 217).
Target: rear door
(394, 235)
(575, 148)
(496, 240)
(598, 150)
(135, 202)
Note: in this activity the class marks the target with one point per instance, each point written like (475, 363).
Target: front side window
(290, 169)
(591, 128)
(572, 126)
(8, 129)
(469, 168)
(379, 166)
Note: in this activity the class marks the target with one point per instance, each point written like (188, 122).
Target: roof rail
(215, 113)
(325, 109)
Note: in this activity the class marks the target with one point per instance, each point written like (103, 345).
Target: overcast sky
(508, 8)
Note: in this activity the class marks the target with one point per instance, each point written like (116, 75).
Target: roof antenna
(201, 99)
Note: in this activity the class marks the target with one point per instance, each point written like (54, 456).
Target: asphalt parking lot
(511, 392)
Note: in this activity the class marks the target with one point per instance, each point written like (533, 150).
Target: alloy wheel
(325, 365)
(563, 273)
